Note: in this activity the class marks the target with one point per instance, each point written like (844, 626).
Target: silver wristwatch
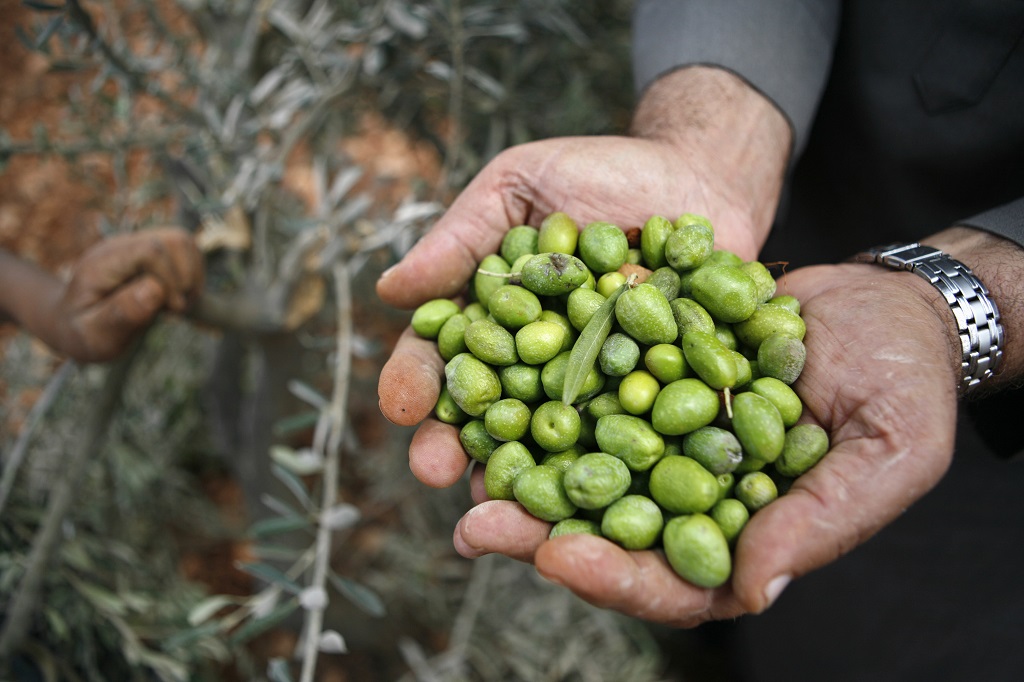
(977, 316)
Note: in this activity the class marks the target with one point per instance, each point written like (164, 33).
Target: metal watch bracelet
(977, 317)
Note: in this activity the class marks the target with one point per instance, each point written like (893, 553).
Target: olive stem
(512, 277)
(728, 402)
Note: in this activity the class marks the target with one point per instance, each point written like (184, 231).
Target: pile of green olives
(633, 387)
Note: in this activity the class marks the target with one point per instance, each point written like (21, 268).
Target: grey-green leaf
(262, 624)
(278, 524)
(271, 575)
(587, 347)
(360, 595)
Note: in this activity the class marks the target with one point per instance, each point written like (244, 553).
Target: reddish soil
(51, 211)
(47, 214)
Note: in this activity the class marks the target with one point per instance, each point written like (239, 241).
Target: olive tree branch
(328, 441)
(138, 80)
(148, 140)
(457, 44)
(27, 595)
(39, 409)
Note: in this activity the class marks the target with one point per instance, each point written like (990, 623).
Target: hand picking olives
(638, 391)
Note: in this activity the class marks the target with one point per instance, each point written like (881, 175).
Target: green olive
(684, 406)
(645, 314)
(697, 550)
(431, 316)
(519, 241)
(631, 439)
(473, 384)
(558, 234)
(727, 292)
(603, 247)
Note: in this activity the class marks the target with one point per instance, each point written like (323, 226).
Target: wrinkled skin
(584, 177)
(885, 393)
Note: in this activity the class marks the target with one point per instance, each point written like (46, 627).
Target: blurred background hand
(116, 288)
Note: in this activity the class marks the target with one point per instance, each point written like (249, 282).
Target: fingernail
(775, 587)
(554, 580)
(463, 546)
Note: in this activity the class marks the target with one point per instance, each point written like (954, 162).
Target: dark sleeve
(1006, 221)
(992, 417)
(783, 48)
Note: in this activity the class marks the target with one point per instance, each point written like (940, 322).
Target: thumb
(839, 504)
(441, 263)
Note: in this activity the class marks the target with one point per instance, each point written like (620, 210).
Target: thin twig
(457, 44)
(142, 82)
(184, 62)
(476, 595)
(335, 417)
(414, 657)
(14, 461)
(27, 594)
(322, 106)
(452, 661)
(144, 140)
(245, 53)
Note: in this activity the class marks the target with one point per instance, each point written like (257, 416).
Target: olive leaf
(587, 347)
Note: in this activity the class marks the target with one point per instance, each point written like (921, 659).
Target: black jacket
(908, 118)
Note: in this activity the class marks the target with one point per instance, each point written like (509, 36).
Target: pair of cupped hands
(880, 378)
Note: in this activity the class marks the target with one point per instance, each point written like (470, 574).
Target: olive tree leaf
(294, 484)
(340, 516)
(188, 638)
(271, 575)
(99, 596)
(43, 6)
(278, 506)
(331, 642)
(308, 394)
(277, 525)
(302, 462)
(587, 347)
(207, 608)
(297, 422)
(48, 31)
(360, 595)
(259, 625)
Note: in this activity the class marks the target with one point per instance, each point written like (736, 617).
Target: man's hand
(703, 142)
(621, 180)
(117, 288)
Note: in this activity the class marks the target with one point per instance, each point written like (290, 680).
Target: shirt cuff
(1006, 221)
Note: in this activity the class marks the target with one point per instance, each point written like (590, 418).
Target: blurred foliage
(114, 592)
(225, 103)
